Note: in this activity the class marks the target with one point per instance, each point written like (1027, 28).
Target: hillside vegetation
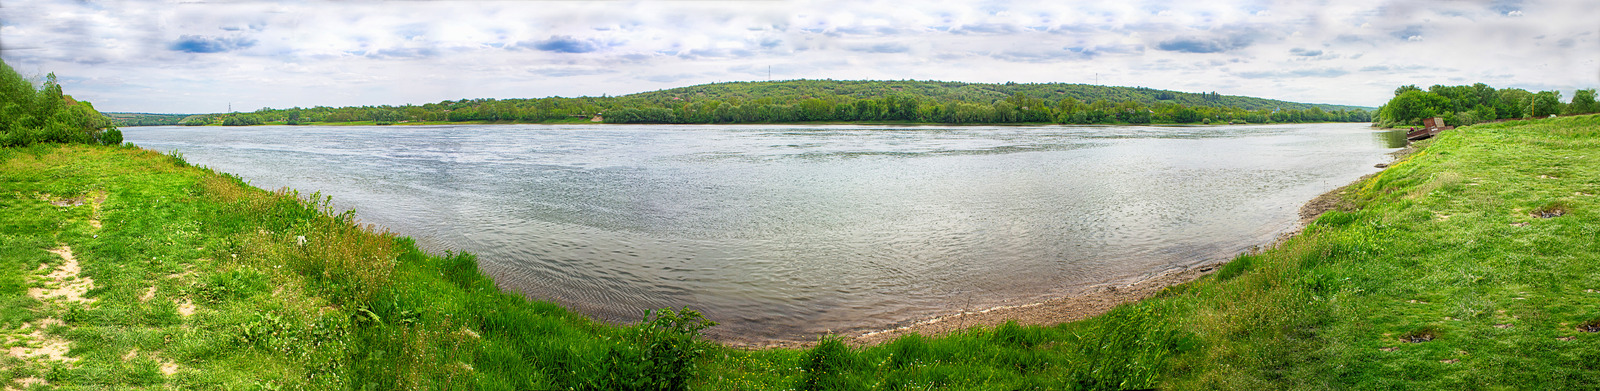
(146, 119)
(796, 91)
(824, 101)
(31, 115)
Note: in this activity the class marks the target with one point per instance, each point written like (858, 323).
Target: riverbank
(1467, 264)
(1091, 301)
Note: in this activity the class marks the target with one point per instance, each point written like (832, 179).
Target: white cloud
(195, 57)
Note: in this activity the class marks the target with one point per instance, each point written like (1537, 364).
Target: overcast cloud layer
(198, 57)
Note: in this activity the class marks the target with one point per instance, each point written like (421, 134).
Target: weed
(827, 366)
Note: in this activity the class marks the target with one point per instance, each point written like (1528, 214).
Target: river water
(781, 232)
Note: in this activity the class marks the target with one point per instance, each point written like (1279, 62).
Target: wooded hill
(829, 101)
(796, 91)
(145, 119)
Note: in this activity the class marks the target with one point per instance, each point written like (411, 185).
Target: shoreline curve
(1092, 301)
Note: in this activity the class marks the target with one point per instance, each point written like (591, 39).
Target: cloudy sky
(198, 56)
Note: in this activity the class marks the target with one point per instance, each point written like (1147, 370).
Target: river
(782, 232)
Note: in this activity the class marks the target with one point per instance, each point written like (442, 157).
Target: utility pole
(769, 73)
(1097, 78)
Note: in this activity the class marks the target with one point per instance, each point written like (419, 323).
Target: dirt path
(33, 341)
(64, 282)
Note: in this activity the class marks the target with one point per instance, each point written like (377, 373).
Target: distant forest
(819, 101)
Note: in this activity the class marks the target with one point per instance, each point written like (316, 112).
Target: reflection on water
(1395, 138)
(787, 231)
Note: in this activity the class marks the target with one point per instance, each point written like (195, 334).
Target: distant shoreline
(874, 123)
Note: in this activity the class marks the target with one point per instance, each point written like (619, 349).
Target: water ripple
(788, 231)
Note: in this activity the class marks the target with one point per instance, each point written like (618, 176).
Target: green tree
(1410, 107)
(1484, 113)
(1513, 103)
(1186, 116)
(45, 115)
(1583, 102)
(816, 110)
(1545, 103)
(1486, 94)
(385, 117)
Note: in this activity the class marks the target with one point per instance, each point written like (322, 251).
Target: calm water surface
(783, 232)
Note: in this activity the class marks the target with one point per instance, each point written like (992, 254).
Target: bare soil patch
(65, 282)
(37, 344)
(185, 307)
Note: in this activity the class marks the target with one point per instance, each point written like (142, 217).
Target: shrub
(111, 137)
(29, 116)
(664, 349)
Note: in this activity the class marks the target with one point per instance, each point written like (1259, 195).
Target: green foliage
(1545, 103)
(1412, 106)
(241, 120)
(29, 116)
(197, 120)
(827, 366)
(1583, 102)
(1477, 103)
(1513, 103)
(234, 284)
(661, 355)
(145, 119)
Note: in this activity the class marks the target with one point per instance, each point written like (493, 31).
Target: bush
(111, 137)
(662, 356)
(44, 115)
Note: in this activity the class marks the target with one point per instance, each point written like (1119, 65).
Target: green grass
(1443, 248)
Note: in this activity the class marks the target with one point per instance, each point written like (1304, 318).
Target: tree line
(31, 115)
(832, 101)
(1465, 105)
(1016, 108)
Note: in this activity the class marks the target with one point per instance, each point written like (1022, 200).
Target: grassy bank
(125, 268)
